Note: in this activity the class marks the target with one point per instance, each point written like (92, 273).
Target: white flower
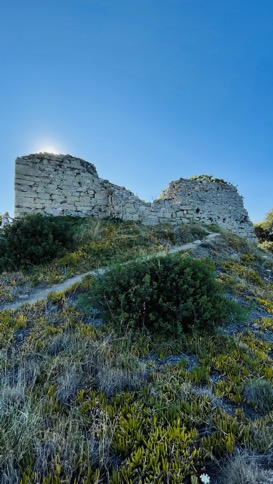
(205, 478)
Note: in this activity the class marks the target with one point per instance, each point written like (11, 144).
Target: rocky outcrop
(65, 185)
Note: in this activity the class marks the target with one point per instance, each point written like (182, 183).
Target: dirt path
(40, 294)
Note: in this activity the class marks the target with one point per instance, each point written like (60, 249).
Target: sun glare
(49, 149)
(47, 146)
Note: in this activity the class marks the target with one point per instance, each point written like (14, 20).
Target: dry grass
(89, 231)
(97, 363)
(34, 391)
(75, 400)
(245, 468)
(258, 394)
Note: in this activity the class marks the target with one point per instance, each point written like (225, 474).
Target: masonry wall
(65, 185)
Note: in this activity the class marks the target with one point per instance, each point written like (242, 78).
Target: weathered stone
(62, 184)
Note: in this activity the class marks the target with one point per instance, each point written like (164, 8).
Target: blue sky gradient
(147, 90)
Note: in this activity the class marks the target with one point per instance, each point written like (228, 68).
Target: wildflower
(205, 478)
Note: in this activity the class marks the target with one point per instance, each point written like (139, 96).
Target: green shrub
(209, 179)
(35, 239)
(266, 245)
(171, 294)
(264, 229)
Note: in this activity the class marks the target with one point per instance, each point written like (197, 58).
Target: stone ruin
(65, 185)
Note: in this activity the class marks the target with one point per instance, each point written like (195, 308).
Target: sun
(47, 146)
(49, 149)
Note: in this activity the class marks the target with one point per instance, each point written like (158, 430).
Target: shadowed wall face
(65, 185)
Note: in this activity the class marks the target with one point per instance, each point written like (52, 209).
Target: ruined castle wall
(64, 185)
(213, 202)
(58, 185)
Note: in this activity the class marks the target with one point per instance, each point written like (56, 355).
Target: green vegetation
(171, 294)
(150, 390)
(35, 239)
(209, 178)
(50, 249)
(264, 232)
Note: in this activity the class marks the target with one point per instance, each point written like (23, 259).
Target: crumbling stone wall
(214, 202)
(65, 185)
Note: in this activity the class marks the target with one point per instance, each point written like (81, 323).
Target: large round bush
(35, 239)
(173, 294)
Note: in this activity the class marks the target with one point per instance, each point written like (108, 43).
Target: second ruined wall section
(213, 202)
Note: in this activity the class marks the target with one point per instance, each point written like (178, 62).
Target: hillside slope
(85, 401)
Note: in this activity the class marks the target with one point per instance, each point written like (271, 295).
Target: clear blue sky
(147, 90)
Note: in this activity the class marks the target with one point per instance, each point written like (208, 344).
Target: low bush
(171, 294)
(35, 239)
(264, 231)
(266, 245)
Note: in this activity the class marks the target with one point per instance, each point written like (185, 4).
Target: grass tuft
(258, 394)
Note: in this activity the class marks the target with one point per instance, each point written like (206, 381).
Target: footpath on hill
(39, 294)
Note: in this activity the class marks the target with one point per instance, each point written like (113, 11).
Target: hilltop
(96, 396)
